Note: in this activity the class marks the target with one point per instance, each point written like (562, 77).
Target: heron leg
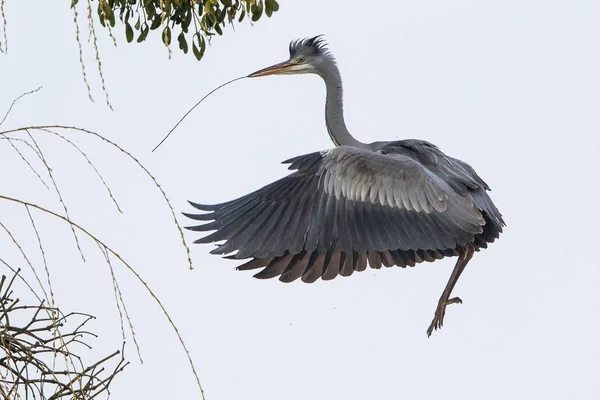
(445, 300)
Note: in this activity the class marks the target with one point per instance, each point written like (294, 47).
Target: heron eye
(300, 59)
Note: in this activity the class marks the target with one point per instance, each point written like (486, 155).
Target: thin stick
(15, 101)
(120, 302)
(89, 162)
(3, 15)
(60, 198)
(95, 46)
(76, 20)
(196, 105)
(10, 141)
(128, 154)
(37, 278)
(37, 234)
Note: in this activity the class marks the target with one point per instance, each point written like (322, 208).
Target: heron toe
(440, 312)
(454, 300)
(438, 319)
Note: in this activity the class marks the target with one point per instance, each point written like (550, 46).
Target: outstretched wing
(339, 209)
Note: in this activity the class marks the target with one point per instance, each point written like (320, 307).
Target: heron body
(383, 203)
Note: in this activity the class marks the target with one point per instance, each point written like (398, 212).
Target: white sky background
(511, 87)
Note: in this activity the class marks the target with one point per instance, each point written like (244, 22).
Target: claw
(440, 312)
(454, 300)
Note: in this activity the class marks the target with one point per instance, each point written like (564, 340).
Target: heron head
(307, 56)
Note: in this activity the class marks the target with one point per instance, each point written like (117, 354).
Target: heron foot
(454, 300)
(440, 312)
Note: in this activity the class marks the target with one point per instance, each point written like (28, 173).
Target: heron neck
(334, 113)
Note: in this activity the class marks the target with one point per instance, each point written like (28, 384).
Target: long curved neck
(334, 110)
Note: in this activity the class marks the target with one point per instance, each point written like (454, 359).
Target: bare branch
(25, 350)
(78, 38)
(129, 267)
(95, 45)
(39, 239)
(128, 154)
(3, 16)
(18, 245)
(10, 141)
(62, 342)
(24, 94)
(60, 198)
(89, 162)
(120, 302)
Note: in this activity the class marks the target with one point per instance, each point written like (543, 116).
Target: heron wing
(338, 210)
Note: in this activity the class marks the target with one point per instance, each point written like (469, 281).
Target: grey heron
(395, 203)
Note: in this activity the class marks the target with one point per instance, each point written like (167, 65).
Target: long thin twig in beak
(196, 105)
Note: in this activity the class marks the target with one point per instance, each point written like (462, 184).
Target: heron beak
(280, 68)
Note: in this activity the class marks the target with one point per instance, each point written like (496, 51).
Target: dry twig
(27, 347)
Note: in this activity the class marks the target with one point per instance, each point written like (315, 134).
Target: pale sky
(511, 87)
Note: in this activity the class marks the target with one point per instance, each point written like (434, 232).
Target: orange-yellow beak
(279, 68)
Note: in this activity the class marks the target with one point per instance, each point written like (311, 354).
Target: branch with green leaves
(192, 21)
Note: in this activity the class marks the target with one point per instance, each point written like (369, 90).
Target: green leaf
(202, 46)
(268, 8)
(166, 36)
(106, 8)
(155, 23)
(182, 42)
(196, 51)
(221, 16)
(187, 20)
(101, 15)
(128, 32)
(150, 9)
(209, 20)
(144, 33)
(109, 14)
(257, 11)
(231, 15)
(176, 17)
(199, 52)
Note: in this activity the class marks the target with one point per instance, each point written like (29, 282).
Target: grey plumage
(386, 203)
(323, 205)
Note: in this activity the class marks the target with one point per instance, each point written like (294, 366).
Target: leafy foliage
(194, 21)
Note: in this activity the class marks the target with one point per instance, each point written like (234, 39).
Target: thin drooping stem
(46, 128)
(196, 105)
(123, 262)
